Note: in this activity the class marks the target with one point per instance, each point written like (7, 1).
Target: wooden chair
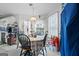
(42, 45)
(25, 44)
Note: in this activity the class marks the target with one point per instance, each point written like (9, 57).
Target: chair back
(44, 40)
(24, 40)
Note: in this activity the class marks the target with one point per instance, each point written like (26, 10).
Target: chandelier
(32, 18)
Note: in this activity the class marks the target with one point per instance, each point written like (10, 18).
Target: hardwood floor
(13, 51)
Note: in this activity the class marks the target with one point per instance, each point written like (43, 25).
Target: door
(3, 38)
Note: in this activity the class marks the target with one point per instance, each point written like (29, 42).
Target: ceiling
(25, 9)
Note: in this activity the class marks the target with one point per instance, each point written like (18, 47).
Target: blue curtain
(69, 41)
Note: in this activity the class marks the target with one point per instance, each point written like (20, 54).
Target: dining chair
(42, 45)
(25, 45)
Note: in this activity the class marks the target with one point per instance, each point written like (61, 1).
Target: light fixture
(32, 18)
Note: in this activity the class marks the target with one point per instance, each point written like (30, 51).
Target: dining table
(36, 43)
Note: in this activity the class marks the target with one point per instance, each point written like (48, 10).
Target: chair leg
(43, 52)
(25, 53)
(34, 53)
(21, 52)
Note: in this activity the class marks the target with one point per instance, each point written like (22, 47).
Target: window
(40, 28)
(27, 28)
(53, 25)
